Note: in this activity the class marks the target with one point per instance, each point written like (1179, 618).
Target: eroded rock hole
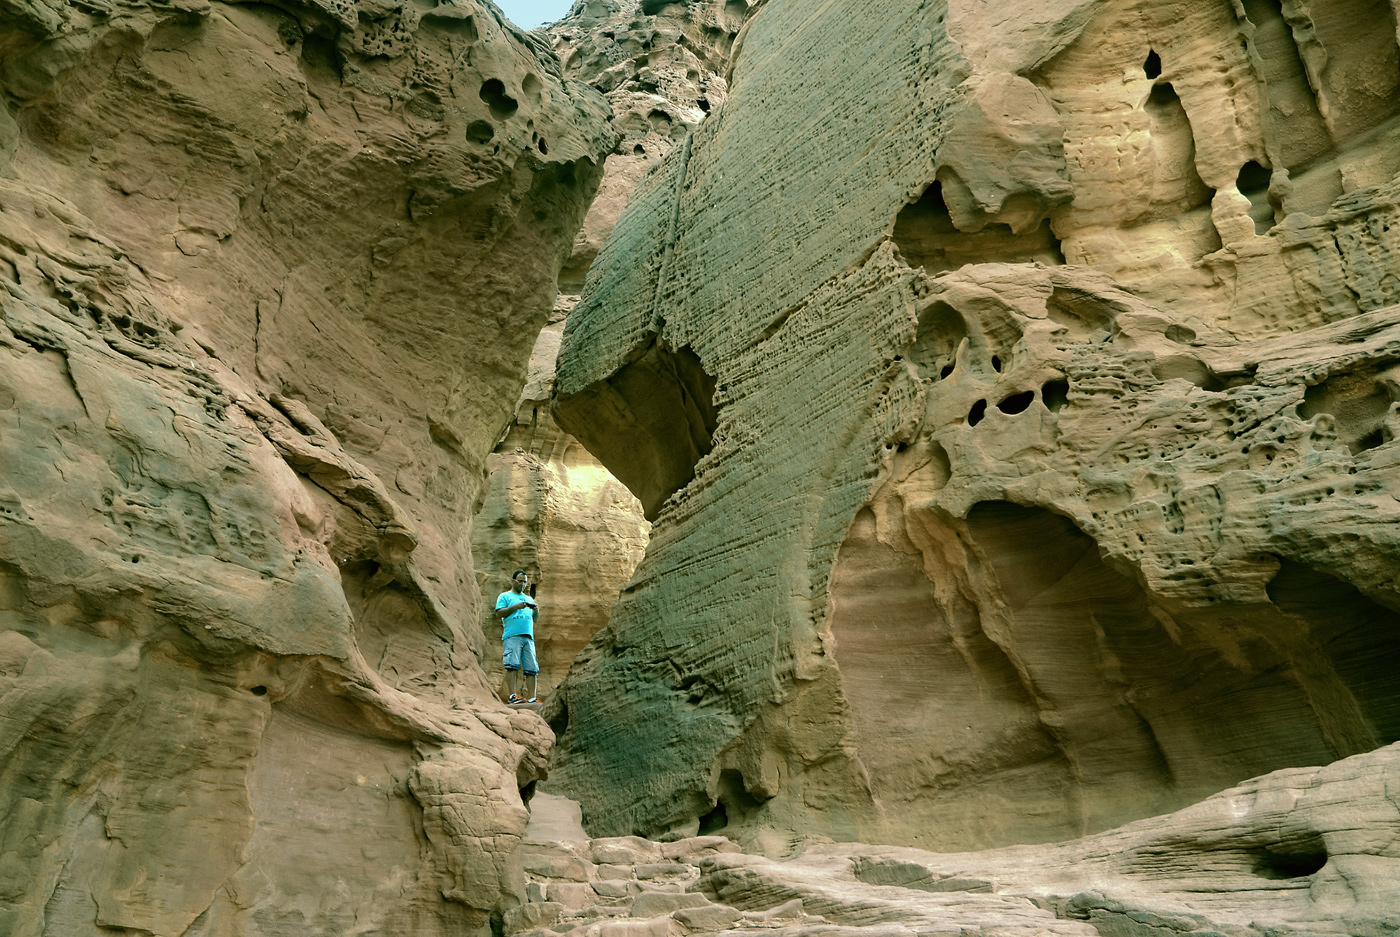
(1187, 368)
(926, 237)
(649, 423)
(1054, 394)
(734, 803)
(1017, 403)
(1177, 186)
(1152, 68)
(1358, 404)
(1253, 184)
(717, 819)
(319, 54)
(559, 724)
(258, 690)
(480, 131)
(978, 411)
(1291, 860)
(941, 331)
(493, 92)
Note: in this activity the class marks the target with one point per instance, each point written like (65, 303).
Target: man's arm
(505, 610)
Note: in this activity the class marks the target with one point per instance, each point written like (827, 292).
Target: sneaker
(533, 699)
(515, 699)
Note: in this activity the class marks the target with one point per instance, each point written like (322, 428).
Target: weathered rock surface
(1302, 851)
(663, 68)
(552, 509)
(263, 274)
(550, 506)
(1012, 396)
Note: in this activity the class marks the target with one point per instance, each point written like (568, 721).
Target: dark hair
(517, 573)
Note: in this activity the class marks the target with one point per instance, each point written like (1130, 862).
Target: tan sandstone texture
(552, 509)
(550, 506)
(258, 269)
(663, 68)
(1304, 851)
(1013, 390)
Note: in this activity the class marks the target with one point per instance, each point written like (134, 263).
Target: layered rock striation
(551, 507)
(1012, 398)
(1301, 851)
(262, 272)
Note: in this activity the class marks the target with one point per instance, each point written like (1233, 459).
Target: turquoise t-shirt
(520, 621)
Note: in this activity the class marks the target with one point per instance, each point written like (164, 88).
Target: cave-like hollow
(649, 423)
(1008, 685)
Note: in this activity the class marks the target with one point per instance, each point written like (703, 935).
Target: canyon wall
(1013, 396)
(552, 509)
(270, 277)
(550, 506)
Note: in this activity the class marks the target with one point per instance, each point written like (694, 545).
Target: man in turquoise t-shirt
(517, 611)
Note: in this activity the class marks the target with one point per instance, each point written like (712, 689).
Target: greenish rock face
(1047, 484)
(264, 305)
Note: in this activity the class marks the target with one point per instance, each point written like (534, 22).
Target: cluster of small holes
(1053, 394)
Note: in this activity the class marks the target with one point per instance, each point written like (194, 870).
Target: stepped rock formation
(1013, 393)
(550, 506)
(1301, 851)
(263, 271)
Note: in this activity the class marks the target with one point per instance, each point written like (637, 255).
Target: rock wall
(662, 67)
(1012, 394)
(551, 507)
(264, 273)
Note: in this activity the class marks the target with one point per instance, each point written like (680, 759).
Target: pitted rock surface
(1012, 398)
(257, 266)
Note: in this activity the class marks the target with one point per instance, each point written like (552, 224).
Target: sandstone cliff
(1013, 398)
(550, 506)
(263, 273)
(555, 511)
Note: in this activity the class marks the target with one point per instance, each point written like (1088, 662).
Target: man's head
(521, 579)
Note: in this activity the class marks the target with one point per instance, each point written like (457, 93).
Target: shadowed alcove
(1008, 685)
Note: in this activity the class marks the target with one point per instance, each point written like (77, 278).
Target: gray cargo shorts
(518, 653)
